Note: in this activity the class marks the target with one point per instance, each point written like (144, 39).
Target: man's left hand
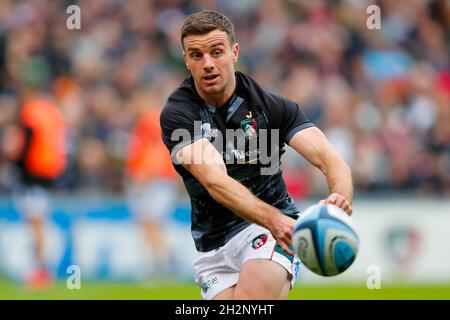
(340, 201)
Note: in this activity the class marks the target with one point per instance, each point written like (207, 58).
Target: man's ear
(185, 61)
(235, 49)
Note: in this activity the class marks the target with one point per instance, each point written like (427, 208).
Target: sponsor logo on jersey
(208, 284)
(207, 132)
(296, 268)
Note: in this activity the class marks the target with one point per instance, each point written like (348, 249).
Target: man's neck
(218, 100)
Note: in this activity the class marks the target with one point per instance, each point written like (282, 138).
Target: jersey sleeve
(288, 117)
(293, 120)
(178, 127)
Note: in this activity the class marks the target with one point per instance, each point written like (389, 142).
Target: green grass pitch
(187, 291)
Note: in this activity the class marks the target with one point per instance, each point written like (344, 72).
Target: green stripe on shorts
(280, 251)
(294, 215)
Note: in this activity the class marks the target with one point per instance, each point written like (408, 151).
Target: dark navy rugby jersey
(250, 132)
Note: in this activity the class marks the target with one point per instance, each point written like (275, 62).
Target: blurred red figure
(37, 146)
(152, 187)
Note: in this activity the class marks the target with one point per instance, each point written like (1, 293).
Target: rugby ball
(325, 240)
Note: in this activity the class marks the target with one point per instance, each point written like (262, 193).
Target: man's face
(211, 58)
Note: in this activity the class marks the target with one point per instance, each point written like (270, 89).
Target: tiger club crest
(259, 241)
(248, 125)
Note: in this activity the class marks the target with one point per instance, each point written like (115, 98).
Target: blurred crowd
(381, 96)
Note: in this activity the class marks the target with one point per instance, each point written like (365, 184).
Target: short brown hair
(206, 21)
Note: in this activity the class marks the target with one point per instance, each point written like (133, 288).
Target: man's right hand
(281, 227)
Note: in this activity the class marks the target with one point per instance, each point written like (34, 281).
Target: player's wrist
(273, 217)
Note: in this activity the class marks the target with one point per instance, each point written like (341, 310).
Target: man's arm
(212, 174)
(312, 144)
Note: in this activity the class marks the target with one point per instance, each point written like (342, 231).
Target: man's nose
(208, 63)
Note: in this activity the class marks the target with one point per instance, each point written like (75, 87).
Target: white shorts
(219, 269)
(153, 201)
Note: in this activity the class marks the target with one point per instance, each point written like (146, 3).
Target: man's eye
(217, 53)
(196, 55)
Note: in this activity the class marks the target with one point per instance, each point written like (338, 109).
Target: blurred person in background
(36, 145)
(152, 189)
